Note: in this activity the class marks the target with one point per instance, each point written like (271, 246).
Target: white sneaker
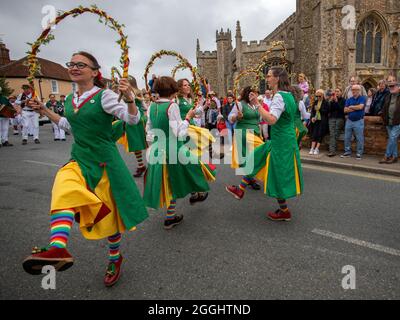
(316, 152)
(311, 151)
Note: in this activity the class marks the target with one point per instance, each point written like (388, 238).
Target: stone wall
(375, 136)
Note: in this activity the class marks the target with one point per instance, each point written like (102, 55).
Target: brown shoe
(384, 160)
(392, 160)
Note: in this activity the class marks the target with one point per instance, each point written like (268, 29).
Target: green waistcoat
(183, 178)
(95, 151)
(136, 133)
(250, 121)
(184, 108)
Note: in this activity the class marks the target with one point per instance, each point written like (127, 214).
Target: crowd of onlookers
(334, 110)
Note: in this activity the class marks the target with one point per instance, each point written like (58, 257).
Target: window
(369, 41)
(54, 86)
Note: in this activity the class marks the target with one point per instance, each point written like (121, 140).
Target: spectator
(354, 108)
(16, 121)
(263, 123)
(223, 132)
(151, 83)
(303, 83)
(214, 97)
(55, 106)
(211, 113)
(370, 97)
(302, 116)
(4, 122)
(348, 92)
(268, 97)
(226, 110)
(336, 119)
(391, 119)
(378, 99)
(319, 121)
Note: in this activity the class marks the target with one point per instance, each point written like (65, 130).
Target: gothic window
(369, 41)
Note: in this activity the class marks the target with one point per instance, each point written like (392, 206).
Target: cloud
(151, 25)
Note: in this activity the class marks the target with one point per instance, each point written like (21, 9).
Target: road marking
(361, 243)
(367, 175)
(42, 163)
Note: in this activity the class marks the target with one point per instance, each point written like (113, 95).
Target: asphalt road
(225, 249)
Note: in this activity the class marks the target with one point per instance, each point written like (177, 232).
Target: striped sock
(245, 182)
(139, 159)
(171, 210)
(114, 243)
(60, 227)
(283, 205)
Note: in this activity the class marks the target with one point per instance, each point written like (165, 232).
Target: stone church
(328, 40)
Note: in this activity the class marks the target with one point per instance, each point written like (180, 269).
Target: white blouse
(110, 104)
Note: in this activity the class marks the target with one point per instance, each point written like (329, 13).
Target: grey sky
(151, 25)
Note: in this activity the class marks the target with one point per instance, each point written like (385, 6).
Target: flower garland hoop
(46, 37)
(259, 75)
(182, 61)
(266, 55)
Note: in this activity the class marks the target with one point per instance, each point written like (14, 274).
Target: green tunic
(95, 151)
(284, 177)
(136, 133)
(250, 121)
(183, 178)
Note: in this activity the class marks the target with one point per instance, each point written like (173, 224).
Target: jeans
(356, 127)
(231, 127)
(393, 133)
(335, 125)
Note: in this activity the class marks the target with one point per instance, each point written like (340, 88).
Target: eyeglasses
(79, 65)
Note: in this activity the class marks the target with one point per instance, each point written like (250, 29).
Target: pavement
(369, 163)
(224, 249)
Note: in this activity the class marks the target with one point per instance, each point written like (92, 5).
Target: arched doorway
(370, 83)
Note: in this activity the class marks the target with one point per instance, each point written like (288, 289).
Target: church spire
(238, 30)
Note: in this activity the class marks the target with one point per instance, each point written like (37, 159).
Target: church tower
(224, 60)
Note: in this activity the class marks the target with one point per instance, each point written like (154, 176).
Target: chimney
(4, 54)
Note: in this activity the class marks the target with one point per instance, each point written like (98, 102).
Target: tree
(5, 88)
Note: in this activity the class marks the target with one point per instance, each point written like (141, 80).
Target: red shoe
(113, 272)
(139, 172)
(235, 191)
(59, 258)
(279, 215)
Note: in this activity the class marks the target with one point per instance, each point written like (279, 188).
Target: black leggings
(317, 131)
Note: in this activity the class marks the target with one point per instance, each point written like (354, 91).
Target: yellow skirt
(70, 192)
(253, 141)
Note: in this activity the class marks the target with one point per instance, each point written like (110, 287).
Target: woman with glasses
(277, 161)
(94, 187)
(319, 121)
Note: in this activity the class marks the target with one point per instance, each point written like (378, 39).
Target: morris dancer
(173, 171)
(95, 187)
(277, 161)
